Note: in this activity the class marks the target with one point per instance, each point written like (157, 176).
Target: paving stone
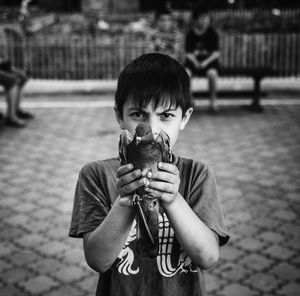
(293, 196)
(231, 271)
(293, 244)
(39, 285)
(285, 215)
(279, 252)
(291, 289)
(73, 256)
(46, 266)
(43, 214)
(213, 283)
(256, 262)
(25, 208)
(231, 254)
(70, 274)
(245, 230)
(251, 244)
(75, 243)
(286, 271)
(18, 220)
(38, 226)
(291, 229)
(266, 222)
(15, 275)
(12, 291)
(237, 290)
(242, 217)
(6, 249)
(65, 207)
(23, 258)
(31, 240)
(271, 237)
(66, 290)
(263, 282)
(58, 233)
(88, 284)
(4, 266)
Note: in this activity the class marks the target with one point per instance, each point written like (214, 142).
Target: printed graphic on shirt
(127, 255)
(171, 258)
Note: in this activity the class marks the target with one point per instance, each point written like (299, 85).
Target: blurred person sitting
(166, 38)
(202, 52)
(13, 81)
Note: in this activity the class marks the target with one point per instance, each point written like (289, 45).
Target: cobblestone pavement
(255, 158)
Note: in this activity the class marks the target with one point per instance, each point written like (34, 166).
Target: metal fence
(55, 57)
(279, 52)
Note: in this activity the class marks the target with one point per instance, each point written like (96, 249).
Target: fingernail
(147, 183)
(149, 175)
(159, 164)
(137, 172)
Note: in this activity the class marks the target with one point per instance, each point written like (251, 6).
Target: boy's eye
(167, 115)
(137, 114)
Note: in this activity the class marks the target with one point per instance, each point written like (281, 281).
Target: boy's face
(165, 22)
(202, 22)
(170, 120)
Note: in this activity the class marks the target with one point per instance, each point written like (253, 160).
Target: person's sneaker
(24, 114)
(14, 122)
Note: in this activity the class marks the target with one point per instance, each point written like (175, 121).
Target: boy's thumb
(126, 201)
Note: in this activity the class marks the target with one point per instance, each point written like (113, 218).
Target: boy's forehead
(163, 104)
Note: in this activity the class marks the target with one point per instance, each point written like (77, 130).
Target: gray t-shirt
(172, 272)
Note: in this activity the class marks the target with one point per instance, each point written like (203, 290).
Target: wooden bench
(259, 56)
(257, 74)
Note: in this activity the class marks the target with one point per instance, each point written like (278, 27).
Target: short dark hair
(154, 76)
(198, 12)
(163, 11)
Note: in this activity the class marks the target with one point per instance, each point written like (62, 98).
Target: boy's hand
(128, 181)
(164, 183)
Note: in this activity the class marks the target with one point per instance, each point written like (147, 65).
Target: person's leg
(11, 87)
(12, 101)
(21, 81)
(212, 76)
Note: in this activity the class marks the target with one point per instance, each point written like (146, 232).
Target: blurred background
(96, 39)
(72, 52)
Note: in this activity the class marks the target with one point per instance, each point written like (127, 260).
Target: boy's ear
(186, 118)
(119, 118)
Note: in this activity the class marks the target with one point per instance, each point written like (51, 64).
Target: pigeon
(144, 152)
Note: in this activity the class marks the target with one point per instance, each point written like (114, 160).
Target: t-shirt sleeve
(204, 200)
(188, 42)
(213, 40)
(90, 204)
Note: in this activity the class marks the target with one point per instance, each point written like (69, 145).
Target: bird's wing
(164, 140)
(125, 140)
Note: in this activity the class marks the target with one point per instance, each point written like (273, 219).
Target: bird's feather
(144, 152)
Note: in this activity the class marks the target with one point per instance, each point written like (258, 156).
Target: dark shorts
(201, 72)
(10, 76)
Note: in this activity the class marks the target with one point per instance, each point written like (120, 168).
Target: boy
(202, 53)
(153, 89)
(166, 38)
